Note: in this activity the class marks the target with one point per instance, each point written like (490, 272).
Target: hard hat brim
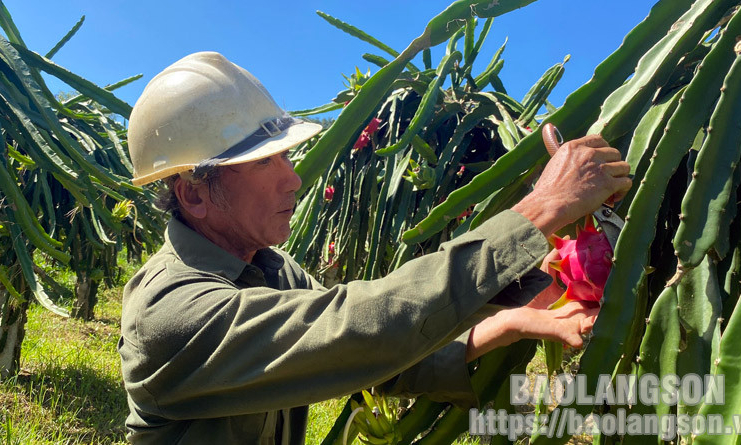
(297, 132)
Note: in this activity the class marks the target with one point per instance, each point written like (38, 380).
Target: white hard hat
(205, 110)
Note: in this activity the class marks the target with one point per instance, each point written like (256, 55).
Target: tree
(66, 193)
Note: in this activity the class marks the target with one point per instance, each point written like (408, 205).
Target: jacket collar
(200, 253)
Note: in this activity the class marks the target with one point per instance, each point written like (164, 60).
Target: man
(227, 340)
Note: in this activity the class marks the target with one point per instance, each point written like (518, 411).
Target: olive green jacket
(216, 350)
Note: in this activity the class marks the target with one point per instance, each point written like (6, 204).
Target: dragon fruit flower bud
(365, 135)
(373, 125)
(362, 142)
(328, 193)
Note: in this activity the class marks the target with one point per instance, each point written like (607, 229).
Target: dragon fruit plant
(669, 98)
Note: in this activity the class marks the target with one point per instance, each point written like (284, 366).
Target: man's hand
(566, 324)
(582, 175)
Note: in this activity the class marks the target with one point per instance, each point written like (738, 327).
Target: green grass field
(69, 388)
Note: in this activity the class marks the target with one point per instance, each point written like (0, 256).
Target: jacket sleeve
(444, 375)
(196, 346)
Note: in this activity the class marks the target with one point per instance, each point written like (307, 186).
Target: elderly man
(226, 339)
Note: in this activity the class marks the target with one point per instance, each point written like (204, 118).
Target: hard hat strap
(267, 130)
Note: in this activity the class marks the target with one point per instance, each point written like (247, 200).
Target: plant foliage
(64, 183)
(669, 98)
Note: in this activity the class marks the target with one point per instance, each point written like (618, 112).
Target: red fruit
(365, 135)
(328, 193)
(362, 141)
(465, 214)
(373, 125)
(584, 264)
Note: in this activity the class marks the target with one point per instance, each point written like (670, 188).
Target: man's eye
(264, 161)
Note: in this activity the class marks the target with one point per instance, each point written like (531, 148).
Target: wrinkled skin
(582, 175)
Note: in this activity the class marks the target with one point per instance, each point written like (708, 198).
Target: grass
(321, 419)
(69, 388)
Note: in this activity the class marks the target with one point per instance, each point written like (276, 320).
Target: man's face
(260, 197)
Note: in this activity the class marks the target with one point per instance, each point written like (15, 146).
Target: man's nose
(291, 180)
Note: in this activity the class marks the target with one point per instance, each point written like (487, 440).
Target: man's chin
(284, 236)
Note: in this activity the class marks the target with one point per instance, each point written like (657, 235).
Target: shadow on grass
(85, 407)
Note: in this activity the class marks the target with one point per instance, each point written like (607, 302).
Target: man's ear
(194, 198)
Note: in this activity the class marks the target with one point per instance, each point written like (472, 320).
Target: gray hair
(167, 199)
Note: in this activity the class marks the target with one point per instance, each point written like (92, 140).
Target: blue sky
(300, 57)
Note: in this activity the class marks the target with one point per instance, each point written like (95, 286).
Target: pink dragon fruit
(584, 264)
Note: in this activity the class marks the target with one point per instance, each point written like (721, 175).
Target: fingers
(587, 324)
(553, 255)
(622, 185)
(550, 294)
(574, 308)
(596, 145)
(584, 321)
(566, 324)
(592, 140)
(616, 169)
(602, 155)
(576, 181)
(574, 340)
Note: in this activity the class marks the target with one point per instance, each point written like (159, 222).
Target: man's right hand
(582, 174)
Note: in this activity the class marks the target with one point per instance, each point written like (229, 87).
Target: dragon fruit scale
(583, 264)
